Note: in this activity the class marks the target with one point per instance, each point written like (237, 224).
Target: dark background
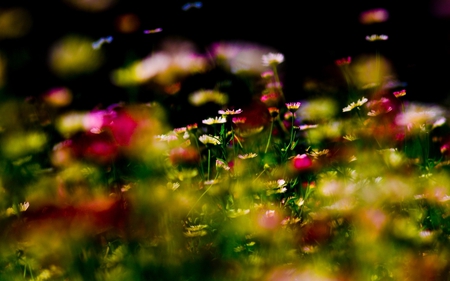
(311, 35)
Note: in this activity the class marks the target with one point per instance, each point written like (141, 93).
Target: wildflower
(217, 120)
(21, 208)
(232, 213)
(400, 93)
(192, 127)
(293, 106)
(301, 162)
(267, 74)
(375, 37)
(240, 56)
(247, 156)
(441, 121)
(274, 111)
(222, 164)
(269, 219)
(230, 112)
(272, 59)
(196, 230)
(277, 187)
(307, 126)
(24, 206)
(205, 139)
(350, 137)
(419, 115)
(168, 138)
(238, 120)
(317, 154)
(354, 105)
(343, 61)
(125, 188)
(273, 85)
(180, 130)
(374, 16)
(164, 66)
(271, 98)
(204, 96)
(58, 97)
(378, 107)
(173, 186)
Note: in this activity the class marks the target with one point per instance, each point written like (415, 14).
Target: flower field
(219, 174)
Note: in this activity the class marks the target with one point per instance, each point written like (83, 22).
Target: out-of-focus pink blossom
(301, 162)
(269, 219)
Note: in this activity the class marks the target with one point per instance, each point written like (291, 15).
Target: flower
(307, 126)
(375, 37)
(354, 105)
(271, 98)
(272, 59)
(217, 120)
(417, 115)
(192, 127)
(293, 106)
(400, 93)
(247, 156)
(240, 56)
(301, 162)
(222, 164)
(374, 16)
(230, 112)
(267, 74)
(180, 130)
(238, 120)
(378, 107)
(273, 111)
(205, 139)
(343, 61)
(204, 96)
(168, 137)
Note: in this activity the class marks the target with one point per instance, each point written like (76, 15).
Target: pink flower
(122, 127)
(269, 219)
(301, 162)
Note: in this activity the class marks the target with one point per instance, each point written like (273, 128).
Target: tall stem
(277, 80)
(270, 136)
(292, 131)
(209, 162)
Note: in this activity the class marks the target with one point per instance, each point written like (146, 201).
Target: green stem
(198, 149)
(277, 80)
(198, 200)
(292, 131)
(209, 161)
(270, 136)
